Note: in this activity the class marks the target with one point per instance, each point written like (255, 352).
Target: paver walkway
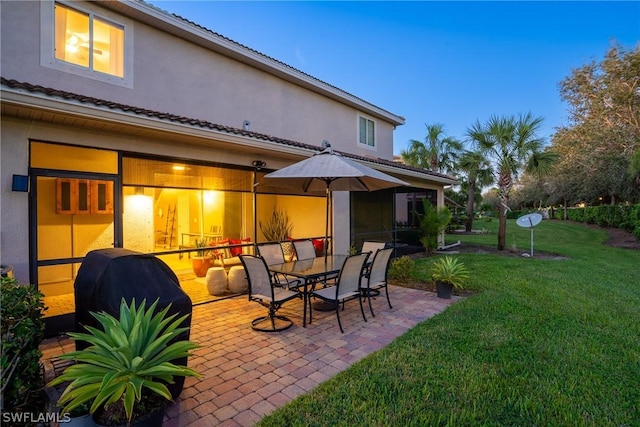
(247, 374)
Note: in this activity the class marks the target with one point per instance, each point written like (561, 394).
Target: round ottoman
(216, 279)
(238, 280)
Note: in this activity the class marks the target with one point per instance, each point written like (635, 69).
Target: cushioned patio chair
(264, 291)
(376, 277)
(347, 285)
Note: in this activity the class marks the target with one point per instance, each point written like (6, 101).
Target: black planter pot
(444, 290)
(154, 419)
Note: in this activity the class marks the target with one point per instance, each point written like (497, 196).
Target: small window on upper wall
(88, 41)
(367, 132)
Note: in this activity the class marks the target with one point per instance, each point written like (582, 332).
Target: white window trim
(373, 147)
(47, 51)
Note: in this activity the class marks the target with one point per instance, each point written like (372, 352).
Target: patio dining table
(310, 271)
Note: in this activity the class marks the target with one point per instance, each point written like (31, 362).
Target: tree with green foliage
(512, 145)
(437, 153)
(604, 131)
(477, 174)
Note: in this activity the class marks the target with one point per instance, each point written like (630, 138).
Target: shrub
(618, 216)
(401, 268)
(22, 329)
(432, 223)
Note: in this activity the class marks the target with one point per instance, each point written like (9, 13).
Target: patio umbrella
(331, 171)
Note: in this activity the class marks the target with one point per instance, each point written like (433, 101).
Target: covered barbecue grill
(108, 275)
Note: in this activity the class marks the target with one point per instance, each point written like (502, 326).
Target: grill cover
(108, 275)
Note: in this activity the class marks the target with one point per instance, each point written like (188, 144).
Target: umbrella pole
(326, 223)
(255, 206)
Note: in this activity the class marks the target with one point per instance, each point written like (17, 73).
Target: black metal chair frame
(279, 279)
(376, 277)
(257, 277)
(350, 275)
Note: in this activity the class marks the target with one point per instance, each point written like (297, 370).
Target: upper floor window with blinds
(88, 41)
(367, 132)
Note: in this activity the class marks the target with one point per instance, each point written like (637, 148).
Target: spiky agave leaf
(128, 355)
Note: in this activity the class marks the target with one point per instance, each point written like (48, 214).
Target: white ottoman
(216, 280)
(238, 280)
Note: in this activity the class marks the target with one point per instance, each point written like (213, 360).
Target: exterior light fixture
(258, 164)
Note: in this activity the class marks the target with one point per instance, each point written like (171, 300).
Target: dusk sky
(431, 62)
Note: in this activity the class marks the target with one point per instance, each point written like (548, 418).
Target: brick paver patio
(247, 374)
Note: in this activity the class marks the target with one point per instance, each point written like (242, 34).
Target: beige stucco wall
(14, 206)
(175, 76)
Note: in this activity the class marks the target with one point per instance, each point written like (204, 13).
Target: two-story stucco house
(126, 126)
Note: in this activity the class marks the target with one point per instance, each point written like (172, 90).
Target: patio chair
(273, 254)
(370, 246)
(347, 285)
(304, 249)
(264, 291)
(376, 278)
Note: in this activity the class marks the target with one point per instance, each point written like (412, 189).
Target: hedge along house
(126, 126)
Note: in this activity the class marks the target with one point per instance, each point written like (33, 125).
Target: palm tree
(511, 144)
(437, 152)
(478, 174)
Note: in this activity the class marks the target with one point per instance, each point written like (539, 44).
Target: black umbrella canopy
(330, 171)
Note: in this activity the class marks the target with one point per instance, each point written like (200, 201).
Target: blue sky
(431, 62)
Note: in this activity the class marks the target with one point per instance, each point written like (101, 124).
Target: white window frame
(47, 48)
(371, 145)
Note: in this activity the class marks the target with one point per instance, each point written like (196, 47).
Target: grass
(542, 342)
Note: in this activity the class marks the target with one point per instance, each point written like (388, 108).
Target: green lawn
(542, 342)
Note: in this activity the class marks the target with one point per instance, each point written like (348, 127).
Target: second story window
(367, 132)
(88, 41)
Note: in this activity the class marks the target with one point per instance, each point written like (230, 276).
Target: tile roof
(70, 96)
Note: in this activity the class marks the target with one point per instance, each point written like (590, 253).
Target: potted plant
(277, 229)
(203, 261)
(124, 372)
(448, 273)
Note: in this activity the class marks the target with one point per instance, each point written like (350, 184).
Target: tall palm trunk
(504, 185)
(471, 201)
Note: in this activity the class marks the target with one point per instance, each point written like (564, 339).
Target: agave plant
(278, 227)
(129, 357)
(449, 270)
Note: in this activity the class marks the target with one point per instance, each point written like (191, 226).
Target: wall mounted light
(246, 124)
(258, 164)
(20, 183)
